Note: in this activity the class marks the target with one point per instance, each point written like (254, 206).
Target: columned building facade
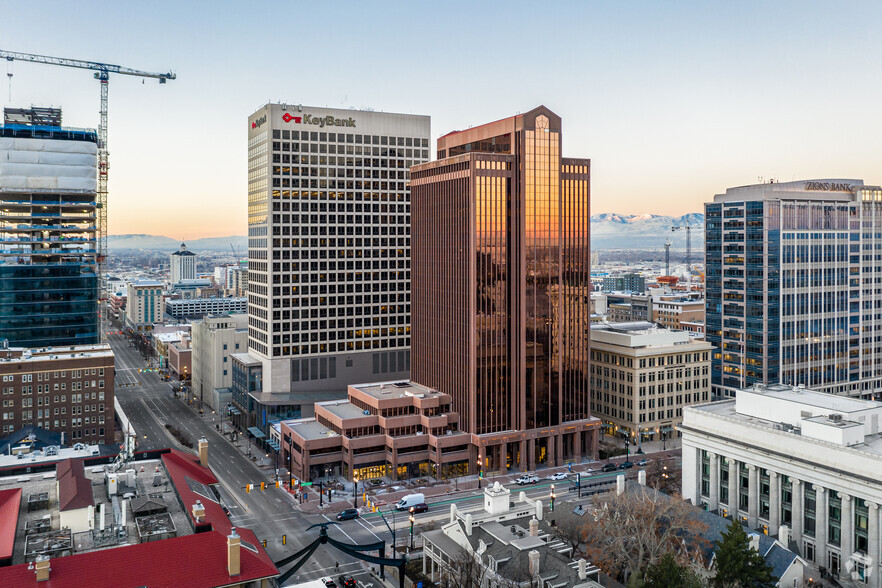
(795, 463)
(501, 255)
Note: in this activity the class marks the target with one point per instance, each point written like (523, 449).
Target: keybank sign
(321, 121)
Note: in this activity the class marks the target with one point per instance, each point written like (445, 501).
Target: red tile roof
(10, 500)
(194, 561)
(180, 466)
(74, 488)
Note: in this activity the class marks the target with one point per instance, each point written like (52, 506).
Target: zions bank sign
(319, 121)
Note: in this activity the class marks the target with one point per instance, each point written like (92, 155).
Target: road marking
(369, 530)
(340, 528)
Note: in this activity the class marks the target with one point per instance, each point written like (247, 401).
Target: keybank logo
(256, 124)
(320, 121)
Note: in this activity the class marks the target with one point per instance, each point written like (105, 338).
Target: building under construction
(48, 230)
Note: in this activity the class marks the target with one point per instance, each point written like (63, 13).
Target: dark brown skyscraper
(500, 286)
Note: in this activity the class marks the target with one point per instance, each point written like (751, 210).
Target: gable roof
(181, 467)
(195, 561)
(74, 488)
(42, 438)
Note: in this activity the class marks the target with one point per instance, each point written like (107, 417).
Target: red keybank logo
(258, 122)
(288, 118)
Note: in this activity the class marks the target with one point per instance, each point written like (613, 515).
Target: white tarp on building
(47, 164)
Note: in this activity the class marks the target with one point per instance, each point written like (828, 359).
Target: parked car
(609, 467)
(418, 508)
(626, 465)
(527, 479)
(329, 583)
(558, 476)
(349, 513)
(643, 462)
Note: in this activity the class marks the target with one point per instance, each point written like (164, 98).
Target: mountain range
(645, 231)
(608, 231)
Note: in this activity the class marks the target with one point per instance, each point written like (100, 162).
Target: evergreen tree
(739, 566)
(667, 573)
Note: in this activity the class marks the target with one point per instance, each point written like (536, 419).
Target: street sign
(306, 483)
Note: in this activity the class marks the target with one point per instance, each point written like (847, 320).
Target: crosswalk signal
(284, 539)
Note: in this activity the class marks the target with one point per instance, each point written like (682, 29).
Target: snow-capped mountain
(645, 231)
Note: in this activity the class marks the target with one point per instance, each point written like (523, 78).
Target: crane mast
(102, 74)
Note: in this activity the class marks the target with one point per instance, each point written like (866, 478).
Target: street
(150, 404)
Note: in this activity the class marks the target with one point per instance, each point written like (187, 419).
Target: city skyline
(672, 104)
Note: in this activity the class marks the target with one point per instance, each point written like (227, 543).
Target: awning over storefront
(258, 434)
(272, 443)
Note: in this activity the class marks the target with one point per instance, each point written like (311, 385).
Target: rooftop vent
(836, 418)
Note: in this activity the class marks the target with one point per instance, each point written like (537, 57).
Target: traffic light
(264, 543)
(284, 539)
(248, 487)
(262, 486)
(278, 483)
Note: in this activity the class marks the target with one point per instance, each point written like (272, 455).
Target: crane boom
(102, 74)
(95, 65)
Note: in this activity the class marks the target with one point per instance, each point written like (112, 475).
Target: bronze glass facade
(500, 267)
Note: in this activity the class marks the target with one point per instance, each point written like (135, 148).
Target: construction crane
(667, 258)
(688, 248)
(102, 74)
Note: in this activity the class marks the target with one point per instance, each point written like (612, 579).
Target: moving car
(609, 467)
(643, 462)
(558, 476)
(626, 465)
(410, 500)
(418, 508)
(527, 479)
(329, 583)
(345, 582)
(349, 513)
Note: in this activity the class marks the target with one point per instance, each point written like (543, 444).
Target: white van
(410, 500)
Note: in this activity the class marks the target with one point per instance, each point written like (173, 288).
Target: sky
(672, 101)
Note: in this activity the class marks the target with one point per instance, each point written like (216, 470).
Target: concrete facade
(144, 304)
(796, 463)
(214, 340)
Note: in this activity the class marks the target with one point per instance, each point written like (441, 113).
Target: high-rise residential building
(144, 304)
(67, 390)
(501, 254)
(793, 295)
(48, 231)
(183, 265)
(214, 339)
(625, 283)
(328, 250)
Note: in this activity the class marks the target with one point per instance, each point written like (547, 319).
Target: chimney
(583, 569)
(534, 527)
(754, 541)
(203, 451)
(641, 477)
(233, 554)
(534, 563)
(620, 484)
(784, 535)
(42, 568)
(198, 511)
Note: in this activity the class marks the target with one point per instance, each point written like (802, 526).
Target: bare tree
(663, 477)
(463, 570)
(569, 530)
(628, 532)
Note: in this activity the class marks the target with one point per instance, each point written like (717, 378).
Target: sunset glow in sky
(672, 101)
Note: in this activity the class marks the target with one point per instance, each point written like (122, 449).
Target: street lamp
(480, 469)
(552, 498)
(664, 440)
(627, 449)
(355, 494)
(411, 528)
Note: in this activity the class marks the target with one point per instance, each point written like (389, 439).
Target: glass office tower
(793, 272)
(501, 277)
